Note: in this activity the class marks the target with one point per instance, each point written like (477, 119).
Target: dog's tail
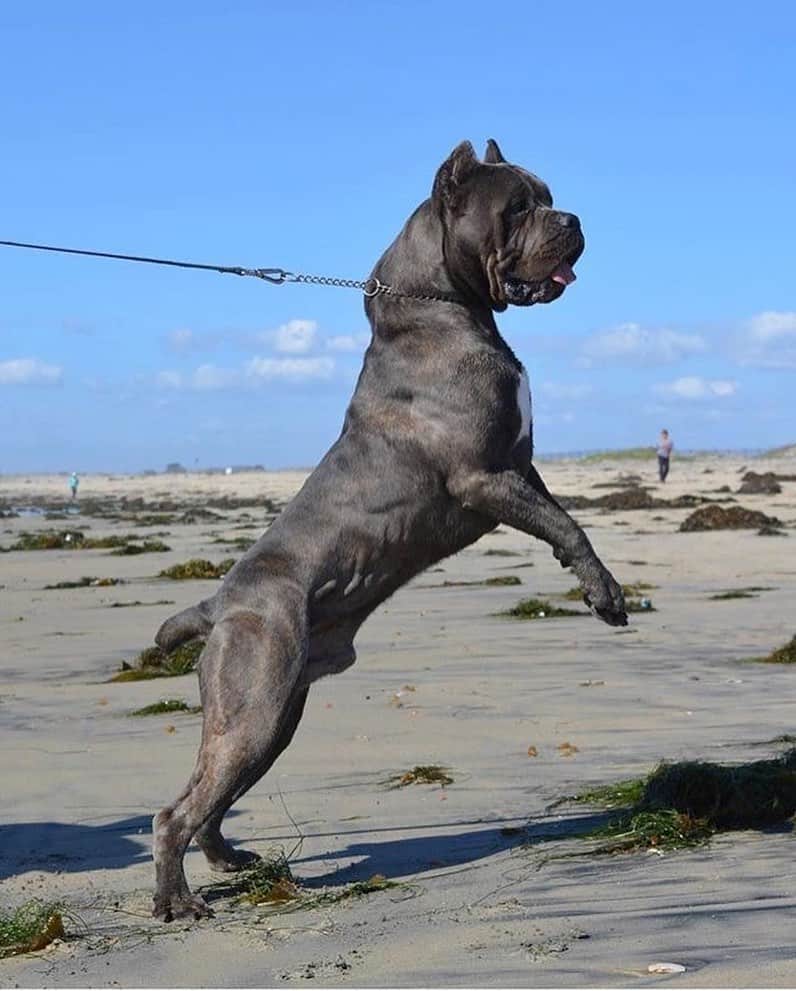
(193, 622)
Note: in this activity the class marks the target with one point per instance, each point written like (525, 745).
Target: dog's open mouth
(520, 292)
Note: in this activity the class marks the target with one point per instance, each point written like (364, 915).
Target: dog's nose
(568, 219)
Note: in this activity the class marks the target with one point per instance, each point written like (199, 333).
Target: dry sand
(81, 780)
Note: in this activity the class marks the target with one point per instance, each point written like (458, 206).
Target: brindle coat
(435, 451)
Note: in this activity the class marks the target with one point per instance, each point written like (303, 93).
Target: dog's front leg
(536, 481)
(508, 498)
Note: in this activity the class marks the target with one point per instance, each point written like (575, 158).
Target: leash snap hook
(276, 276)
(372, 287)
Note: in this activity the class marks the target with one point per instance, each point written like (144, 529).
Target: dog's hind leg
(251, 690)
(220, 854)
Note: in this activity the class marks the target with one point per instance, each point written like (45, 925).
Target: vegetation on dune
(197, 568)
(786, 450)
(630, 454)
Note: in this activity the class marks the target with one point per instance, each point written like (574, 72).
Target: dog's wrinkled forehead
(464, 180)
(531, 185)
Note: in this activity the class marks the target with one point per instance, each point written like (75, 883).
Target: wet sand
(440, 679)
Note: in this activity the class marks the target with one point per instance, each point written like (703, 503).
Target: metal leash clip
(276, 276)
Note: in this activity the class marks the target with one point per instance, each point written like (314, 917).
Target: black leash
(276, 276)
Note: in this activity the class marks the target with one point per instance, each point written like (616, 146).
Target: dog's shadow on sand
(72, 847)
(435, 850)
(65, 847)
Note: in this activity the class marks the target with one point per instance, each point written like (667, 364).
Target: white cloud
(253, 373)
(182, 339)
(213, 377)
(632, 343)
(773, 324)
(348, 342)
(695, 387)
(289, 369)
(768, 340)
(295, 336)
(29, 371)
(168, 380)
(565, 391)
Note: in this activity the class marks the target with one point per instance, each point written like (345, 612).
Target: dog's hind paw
(232, 860)
(170, 907)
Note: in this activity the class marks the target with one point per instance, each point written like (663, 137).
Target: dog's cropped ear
(461, 163)
(493, 156)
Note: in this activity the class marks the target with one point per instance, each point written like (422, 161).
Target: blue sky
(302, 135)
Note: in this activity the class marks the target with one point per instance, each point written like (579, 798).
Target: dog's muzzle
(563, 249)
(520, 292)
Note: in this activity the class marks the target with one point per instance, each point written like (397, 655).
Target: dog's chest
(524, 406)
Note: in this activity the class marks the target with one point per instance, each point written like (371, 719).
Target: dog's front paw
(602, 593)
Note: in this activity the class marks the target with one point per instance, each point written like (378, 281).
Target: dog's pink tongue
(563, 274)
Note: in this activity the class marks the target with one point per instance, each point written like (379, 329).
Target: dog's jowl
(435, 451)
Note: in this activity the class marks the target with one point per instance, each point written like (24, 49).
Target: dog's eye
(519, 206)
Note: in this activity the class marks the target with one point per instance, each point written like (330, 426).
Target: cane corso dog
(435, 451)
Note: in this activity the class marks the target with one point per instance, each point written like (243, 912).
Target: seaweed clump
(30, 927)
(76, 540)
(762, 484)
(197, 567)
(270, 883)
(145, 547)
(736, 796)
(167, 706)
(49, 540)
(154, 662)
(539, 609)
(497, 580)
(730, 518)
(422, 774)
(684, 804)
(782, 655)
(86, 582)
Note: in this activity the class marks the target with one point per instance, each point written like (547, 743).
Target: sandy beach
(496, 887)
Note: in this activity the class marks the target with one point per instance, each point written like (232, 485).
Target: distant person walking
(74, 482)
(665, 446)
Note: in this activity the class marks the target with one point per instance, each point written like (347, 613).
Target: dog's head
(503, 238)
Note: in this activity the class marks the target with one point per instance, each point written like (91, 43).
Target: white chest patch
(524, 404)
